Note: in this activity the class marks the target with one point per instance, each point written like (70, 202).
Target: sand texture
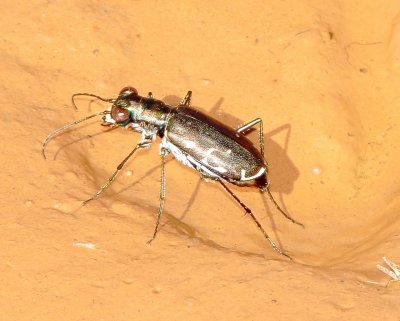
(325, 78)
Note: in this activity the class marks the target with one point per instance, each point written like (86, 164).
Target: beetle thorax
(151, 112)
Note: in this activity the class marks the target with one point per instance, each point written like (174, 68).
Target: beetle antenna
(90, 95)
(266, 189)
(65, 127)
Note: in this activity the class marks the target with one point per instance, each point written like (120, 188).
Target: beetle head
(122, 110)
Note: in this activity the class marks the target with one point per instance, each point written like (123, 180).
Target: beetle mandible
(216, 151)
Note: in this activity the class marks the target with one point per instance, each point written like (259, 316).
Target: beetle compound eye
(128, 92)
(119, 114)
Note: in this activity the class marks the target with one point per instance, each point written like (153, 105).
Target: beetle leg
(114, 175)
(266, 189)
(251, 124)
(187, 99)
(248, 211)
(162, 194)
(150, 95)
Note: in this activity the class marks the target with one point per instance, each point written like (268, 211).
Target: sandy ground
(324, 76)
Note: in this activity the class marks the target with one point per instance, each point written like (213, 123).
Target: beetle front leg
(114, 175)
(162, 194)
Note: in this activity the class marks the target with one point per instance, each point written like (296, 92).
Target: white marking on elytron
(244, 178)
(229, 152)
(189, 144)
(217, 168)
(178, 154)
(201, 167)
(184, 159)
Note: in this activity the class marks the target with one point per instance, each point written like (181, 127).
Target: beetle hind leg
(248, 211)
(266, 189)
(249, 125)
(263, 182)
(187, 99)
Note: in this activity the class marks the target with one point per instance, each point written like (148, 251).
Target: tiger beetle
(218, 152)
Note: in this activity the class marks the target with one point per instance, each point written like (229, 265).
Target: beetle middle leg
(114, 175)
(248, 211)
(162, 194)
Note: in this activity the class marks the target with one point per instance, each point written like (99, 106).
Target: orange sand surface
(324, 76)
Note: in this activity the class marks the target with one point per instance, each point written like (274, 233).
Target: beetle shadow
(179, 227)
(182, 230)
